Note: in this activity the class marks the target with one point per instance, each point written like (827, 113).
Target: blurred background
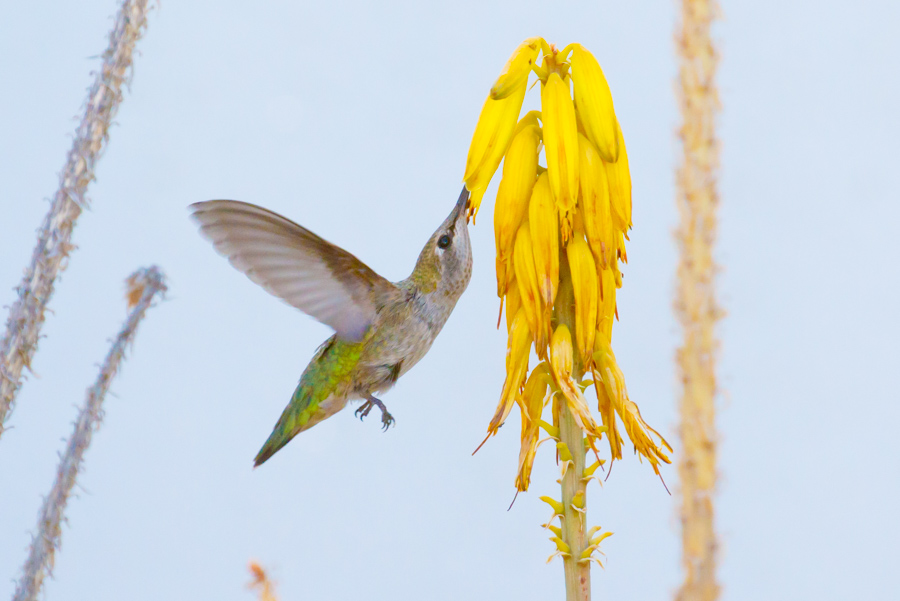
(354, 119)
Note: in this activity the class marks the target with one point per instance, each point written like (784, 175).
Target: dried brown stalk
(54, 243)
(144, 286)
(696, 305)
(262, 583)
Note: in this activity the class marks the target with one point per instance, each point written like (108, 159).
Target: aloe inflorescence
(561, 219)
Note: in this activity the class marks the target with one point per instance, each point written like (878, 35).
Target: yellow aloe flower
(521, 162)
(515, 72)
(560, 147)
(619, 178)
(519, 176)
(531, 402)
(595, 104)
(506, 223)
(544, 240)
(595, 205)
(587, 293)
(608, 417)
(608, 375)
(607, 312)
(529, 292)
(489, 143)
(518, 348)
(617, 273)
(641, 435)
(620, 247)
(561, 365)
(513, 304)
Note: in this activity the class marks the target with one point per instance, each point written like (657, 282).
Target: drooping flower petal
(531, 402)
(561, 365)
(609, 376)
(608, 416)
(517, 351)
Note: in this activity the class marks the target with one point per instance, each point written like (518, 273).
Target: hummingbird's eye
(444, 241)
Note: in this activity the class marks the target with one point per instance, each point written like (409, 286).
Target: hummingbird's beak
(461, 205)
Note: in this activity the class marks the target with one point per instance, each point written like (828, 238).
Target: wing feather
(295, 265)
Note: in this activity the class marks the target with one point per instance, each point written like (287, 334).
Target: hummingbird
(381, 329)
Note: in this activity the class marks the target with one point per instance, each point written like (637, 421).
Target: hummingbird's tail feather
(302, 413)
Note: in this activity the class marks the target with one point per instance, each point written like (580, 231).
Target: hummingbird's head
(445, 264)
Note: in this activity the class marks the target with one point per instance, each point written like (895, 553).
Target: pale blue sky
(354, 119)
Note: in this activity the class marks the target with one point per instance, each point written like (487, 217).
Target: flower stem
(578, 573)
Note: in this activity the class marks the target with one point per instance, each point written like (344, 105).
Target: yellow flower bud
(544, 241)
(561, 365)
(560, 147)
(595, 103)
(558, 508)
(587, 290)
(589, 471)
(607, 311)
(534, 396)
(563, 450)
(529, 292)
(595, 205)
(561, 546)
(608, 416)
(599, 539)
(521, 162)
(513, 195)
(530, 118)
(619, 178)
(490, 141)
(578, 500)
(517, 68)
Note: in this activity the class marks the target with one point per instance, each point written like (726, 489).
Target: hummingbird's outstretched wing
(295, 265)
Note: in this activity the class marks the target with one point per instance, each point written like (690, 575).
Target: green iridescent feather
(331, 366)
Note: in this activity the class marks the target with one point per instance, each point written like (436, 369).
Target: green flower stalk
(560, 227)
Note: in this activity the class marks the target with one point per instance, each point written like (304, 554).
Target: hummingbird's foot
(387, 420)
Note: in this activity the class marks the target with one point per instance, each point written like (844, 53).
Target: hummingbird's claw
(387, 420)
(363, 410)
